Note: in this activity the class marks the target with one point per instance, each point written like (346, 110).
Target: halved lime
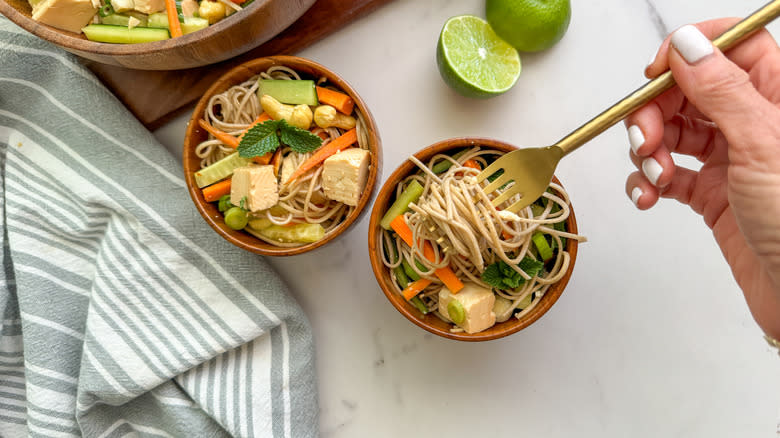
(473, 60)
(529, 25)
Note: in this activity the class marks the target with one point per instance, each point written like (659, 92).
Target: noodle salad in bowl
(281, 155)
(458, 266)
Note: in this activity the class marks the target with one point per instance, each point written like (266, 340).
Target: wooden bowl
(232, 36)
(431, 322)
(195, 135)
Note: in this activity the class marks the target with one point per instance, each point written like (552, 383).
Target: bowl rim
(387, 192)
(72, 42)
(246, 70)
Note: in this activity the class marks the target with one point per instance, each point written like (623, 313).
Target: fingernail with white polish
(635, 195)
(692, 44)
(635, 138)
(652, 170)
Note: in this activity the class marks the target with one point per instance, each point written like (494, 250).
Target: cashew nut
(299, 116)
(211, 10)
(189, 7)
(325, 116)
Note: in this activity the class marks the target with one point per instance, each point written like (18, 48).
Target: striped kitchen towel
(123, 313)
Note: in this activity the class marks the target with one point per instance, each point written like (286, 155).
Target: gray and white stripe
(108, 300)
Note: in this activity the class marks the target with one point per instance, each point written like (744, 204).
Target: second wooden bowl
(431, 322)
(257, 23)
(195, 135)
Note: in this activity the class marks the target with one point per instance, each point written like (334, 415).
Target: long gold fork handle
(654, 88)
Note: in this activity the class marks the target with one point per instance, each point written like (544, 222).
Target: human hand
(725, 111)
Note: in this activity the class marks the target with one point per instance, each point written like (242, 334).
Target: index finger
(745, 55)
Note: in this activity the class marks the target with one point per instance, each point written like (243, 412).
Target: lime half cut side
(475, 61)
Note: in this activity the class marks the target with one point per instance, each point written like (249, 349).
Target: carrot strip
(260, 119)
(321, 134)
(445, 274)
(398, 224)
(217, 190)
(339, 143)
(222, 136)
(173, 18)
(415, 288)
(342, 102)
(276, 161)
(448, 277)
(233, 142)
(472, 164)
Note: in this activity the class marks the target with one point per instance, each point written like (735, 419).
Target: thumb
(722, 91)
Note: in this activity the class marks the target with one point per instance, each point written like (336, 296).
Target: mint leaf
(501, 276)
(299, 140)
(259, 140)
(492, 276)
(531, 266)
(268, 136)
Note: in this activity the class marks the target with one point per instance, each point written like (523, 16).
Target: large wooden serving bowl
(195, 135)
(431, 322)
(257, 23)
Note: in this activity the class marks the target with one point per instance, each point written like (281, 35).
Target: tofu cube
(503, 309)
(149, 6)
(288, 166)
(256, 185)
(344, 175)
(189, 8)
(477, 303)
(123, 5)
(70, 15)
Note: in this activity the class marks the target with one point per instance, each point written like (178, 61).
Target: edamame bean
(236, 218)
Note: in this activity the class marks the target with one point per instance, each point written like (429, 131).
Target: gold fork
(531, 169)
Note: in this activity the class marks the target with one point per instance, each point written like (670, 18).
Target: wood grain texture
(431, 322)
(196, 135)
(257, 23)
(154, 97)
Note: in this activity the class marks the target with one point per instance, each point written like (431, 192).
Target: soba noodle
(468, 233)
(233, 111)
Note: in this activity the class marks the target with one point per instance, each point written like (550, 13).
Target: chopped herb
(502, 276)
(268, 136)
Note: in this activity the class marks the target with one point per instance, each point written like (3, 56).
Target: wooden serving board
(154, 97)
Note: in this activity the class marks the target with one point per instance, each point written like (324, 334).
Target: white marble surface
(651, 338)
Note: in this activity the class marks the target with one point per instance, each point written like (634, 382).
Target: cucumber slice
(158, 19)
(299, 233)
(545, 252)
(295, 92)
(190, 24)
(106, 33)
(411, 193)
(444, 165)
(525, 302)
(502, 308)
(123, 20)
(221, 169)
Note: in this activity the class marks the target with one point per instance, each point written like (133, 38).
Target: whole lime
(473, 60)
(529, 25)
